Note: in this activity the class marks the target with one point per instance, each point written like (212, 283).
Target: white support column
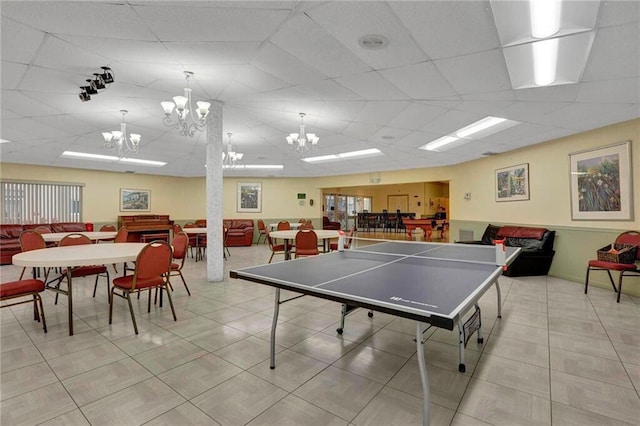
(214, 181)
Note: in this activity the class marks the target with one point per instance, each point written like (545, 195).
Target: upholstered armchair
(327, 224)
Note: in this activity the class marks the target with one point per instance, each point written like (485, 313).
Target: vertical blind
(36, 202)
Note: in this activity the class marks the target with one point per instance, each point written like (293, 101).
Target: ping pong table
(431, 283)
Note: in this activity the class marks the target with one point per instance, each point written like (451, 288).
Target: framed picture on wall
(512, 183)
(135, 200)
(601, 183)
(249, 197)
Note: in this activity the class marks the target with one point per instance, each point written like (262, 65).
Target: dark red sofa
(10, 235)
(240, 232)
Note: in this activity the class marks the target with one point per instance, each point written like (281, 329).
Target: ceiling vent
(373, 42)
(489, 153)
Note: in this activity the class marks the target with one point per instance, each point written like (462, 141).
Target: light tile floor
(557, 357)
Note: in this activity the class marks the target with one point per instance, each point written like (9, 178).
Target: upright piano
(146, 227)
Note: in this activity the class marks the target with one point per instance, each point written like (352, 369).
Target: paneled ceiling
(266, 61)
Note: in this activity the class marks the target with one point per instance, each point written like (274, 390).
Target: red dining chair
(306, 243)
(81, 271)
(153, 266)
(180, 246)
(275, 248)
(262, 228)
(24, 288)
(107, 228)
(283, 225)
(193, 239)
(625, 269)
(32, 240)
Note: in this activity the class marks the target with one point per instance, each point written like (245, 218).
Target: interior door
(398, 202)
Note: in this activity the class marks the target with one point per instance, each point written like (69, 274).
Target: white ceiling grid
(442, 69)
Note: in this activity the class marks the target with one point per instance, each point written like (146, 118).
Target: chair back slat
(630, 237)
(154, 260)
(122, 235)
(283, 225)
(74, 240)
(31, 240)
(180, 245)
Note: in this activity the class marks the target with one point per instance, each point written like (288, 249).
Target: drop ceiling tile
(30, 40)
(197, 23)
(420, 81)
(614, 53)
(476, 73)
(306, 40)
(416, 116)
(81, 18)
(623, 90)
(349, 21)
(371, 85)
(449, 29)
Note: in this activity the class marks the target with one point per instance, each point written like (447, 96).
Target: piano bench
(147, 238)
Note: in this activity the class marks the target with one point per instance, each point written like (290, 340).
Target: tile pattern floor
(557, 357)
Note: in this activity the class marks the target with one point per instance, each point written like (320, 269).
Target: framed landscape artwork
(135, 200)
(600, 183)
(512, 183)
(249, 197)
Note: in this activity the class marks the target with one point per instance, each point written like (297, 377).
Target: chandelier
(119, 141)
(230, 158)
(302, 142)
(186, 123)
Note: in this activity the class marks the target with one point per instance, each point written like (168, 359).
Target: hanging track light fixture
(302, 142)
(119, 141)
(186, 123)
(100, 81)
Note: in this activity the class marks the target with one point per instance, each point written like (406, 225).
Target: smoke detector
(373, 42)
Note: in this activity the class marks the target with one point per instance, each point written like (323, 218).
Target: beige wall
(184, 198)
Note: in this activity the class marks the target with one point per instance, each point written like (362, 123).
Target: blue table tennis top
(430, 282)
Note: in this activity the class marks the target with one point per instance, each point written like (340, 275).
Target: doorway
(398, 202)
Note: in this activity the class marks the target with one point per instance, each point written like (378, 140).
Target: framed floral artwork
(512, 183)
(601, 183)
(249, 197)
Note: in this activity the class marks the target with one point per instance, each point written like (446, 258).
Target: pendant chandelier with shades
(302, 142)
(184, 120)
(230, 158)
(119, 141)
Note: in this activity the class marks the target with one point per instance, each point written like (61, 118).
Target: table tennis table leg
(499, 299)
(423, 372)
(461, 365)
(272, 349)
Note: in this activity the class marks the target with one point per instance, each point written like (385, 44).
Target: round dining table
(293, 225)
(55, 237)
(77, 255)
(290, 235)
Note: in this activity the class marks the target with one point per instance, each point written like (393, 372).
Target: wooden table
(424, 224)
(80, 255)
(287, 236)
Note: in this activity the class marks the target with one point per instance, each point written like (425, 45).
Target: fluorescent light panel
(111, 158)
(479, 129)
(255, 166)
(545, 17)
(372, 152)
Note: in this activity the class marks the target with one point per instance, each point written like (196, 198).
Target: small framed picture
(601, 183)
(249, 197)
(135, 200)
(512, 183)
